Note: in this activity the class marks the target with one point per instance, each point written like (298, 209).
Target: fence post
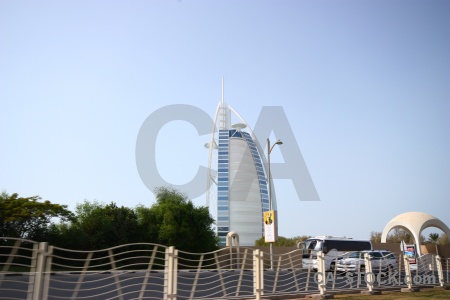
(258, 273)
(321, 273)
(39, 275)
(440, 271)
(446, 267)
(47, 272)
(369, 276)
(408, 278)
(175, 274)
(169, 274)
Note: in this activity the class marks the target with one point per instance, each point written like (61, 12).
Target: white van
(333, 247)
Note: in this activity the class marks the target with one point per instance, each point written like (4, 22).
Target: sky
(365, 86)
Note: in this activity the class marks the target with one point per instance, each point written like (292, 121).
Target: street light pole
(269, 150)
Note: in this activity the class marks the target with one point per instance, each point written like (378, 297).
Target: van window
(347, 245)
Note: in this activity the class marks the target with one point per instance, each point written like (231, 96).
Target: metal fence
(34, 271)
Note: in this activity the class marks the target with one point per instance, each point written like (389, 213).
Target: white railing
(150, 271)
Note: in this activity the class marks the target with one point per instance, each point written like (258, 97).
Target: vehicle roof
(329, 237)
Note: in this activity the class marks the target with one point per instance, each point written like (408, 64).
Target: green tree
(65, 235)
(174, 221)
(102, 226)
(283, 241)
(28, 217)
(433, 238)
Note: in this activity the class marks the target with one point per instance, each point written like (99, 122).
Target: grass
(424, 294)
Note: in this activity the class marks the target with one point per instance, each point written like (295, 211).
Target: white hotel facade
(237, 188)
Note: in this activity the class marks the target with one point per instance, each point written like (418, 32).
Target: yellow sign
(270, 228)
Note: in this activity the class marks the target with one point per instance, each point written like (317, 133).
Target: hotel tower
(237, 193)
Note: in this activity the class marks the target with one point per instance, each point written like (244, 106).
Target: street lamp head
(269, 149)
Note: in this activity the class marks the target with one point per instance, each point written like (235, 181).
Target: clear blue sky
(365, 86)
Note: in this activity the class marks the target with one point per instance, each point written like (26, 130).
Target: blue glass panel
(223, 170)
(222, 208)
(222, 218)
(236, 134)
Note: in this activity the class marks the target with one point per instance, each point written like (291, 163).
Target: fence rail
(34, 271)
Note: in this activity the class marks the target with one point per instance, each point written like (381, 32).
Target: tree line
(172, 221)
(397, 235)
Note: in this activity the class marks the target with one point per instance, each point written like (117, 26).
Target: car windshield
(313, 245)
(376, 255)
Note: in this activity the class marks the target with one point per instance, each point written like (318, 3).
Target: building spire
(224, 112)
(223, 98)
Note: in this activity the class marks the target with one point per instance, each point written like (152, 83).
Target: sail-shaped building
(237, 190)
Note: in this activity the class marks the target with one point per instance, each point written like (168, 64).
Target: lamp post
(269, 150)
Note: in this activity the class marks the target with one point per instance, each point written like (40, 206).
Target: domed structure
(415, 223)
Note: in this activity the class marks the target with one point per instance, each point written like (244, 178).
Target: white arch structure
(232, 236)
(415, 223)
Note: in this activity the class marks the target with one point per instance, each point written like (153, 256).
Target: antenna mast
(223, 98)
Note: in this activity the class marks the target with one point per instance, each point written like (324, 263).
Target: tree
(96, 226)
(397, 235)
(443, 239)
(433, 238)
(174, 221)
(28, 217)
(103, 226)
(283, 241)
(375, 237)
(299, 239)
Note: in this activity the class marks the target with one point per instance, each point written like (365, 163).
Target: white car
(381, 260)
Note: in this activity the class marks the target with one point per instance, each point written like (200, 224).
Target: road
(206, 284)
